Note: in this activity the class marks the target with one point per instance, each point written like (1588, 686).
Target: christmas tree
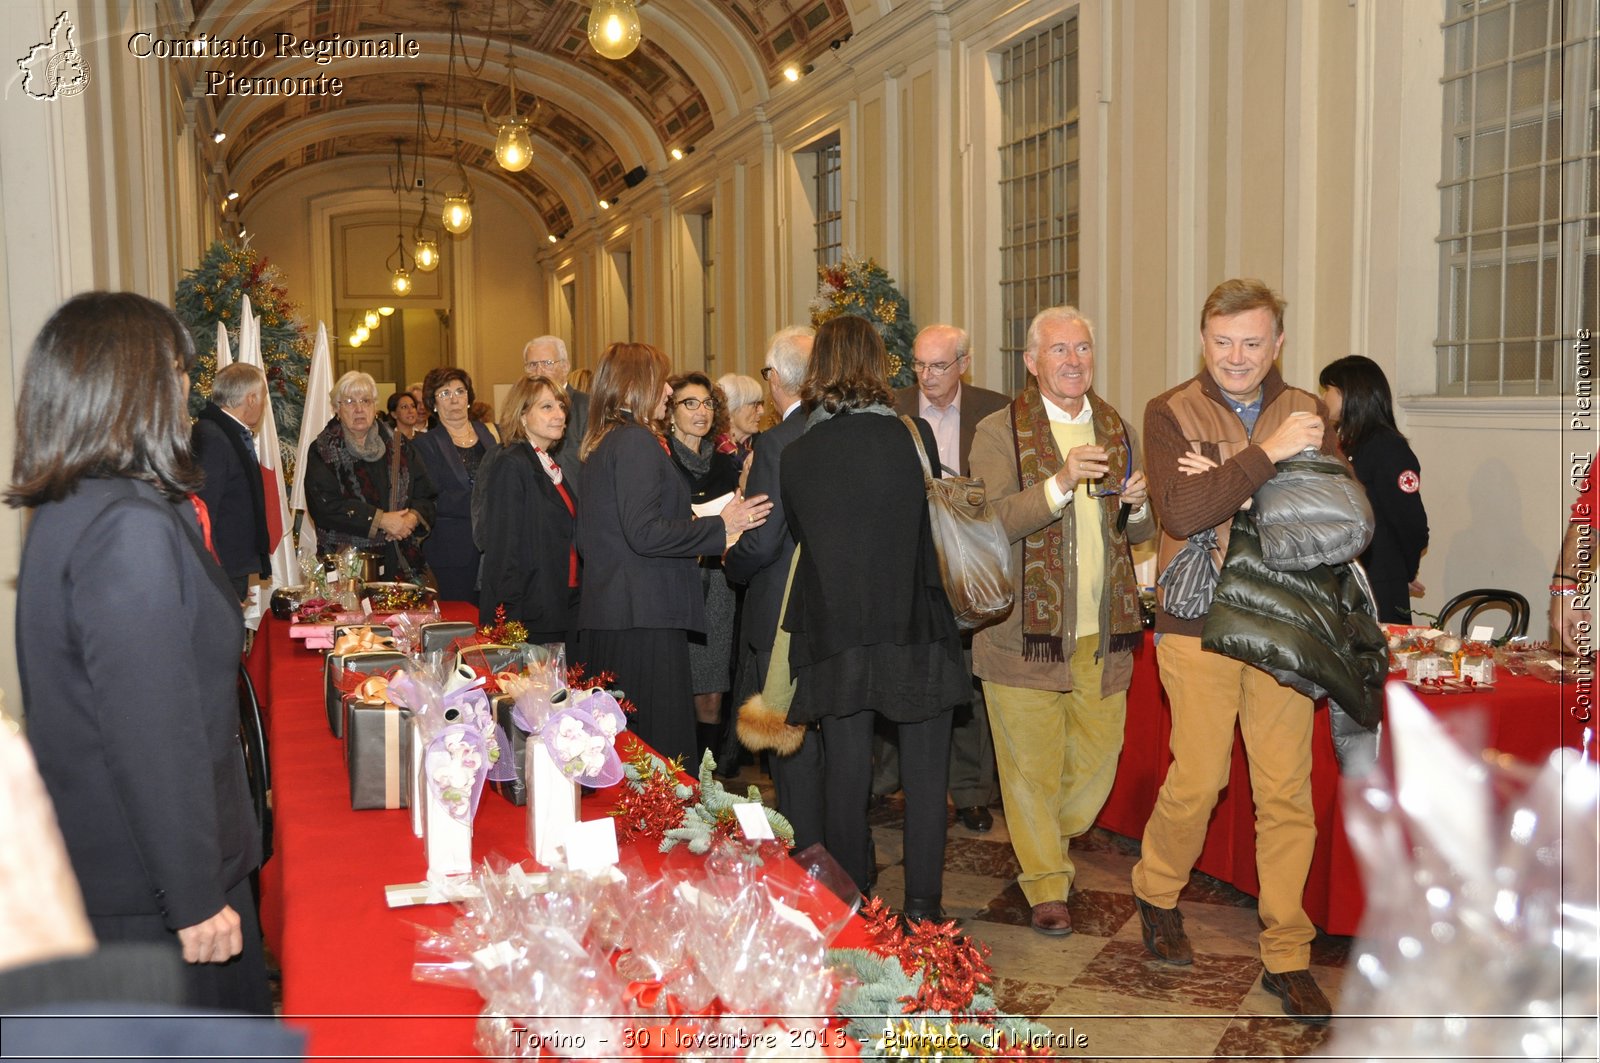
(213, 291)
(865, 289)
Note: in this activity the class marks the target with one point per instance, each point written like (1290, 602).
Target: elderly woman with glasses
(698, 417)
(455, 454)
(744, 415)
(365, 488)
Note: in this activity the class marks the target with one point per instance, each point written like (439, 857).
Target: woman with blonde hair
(529, 511)
(743, 408)
(638, 540)
(366, 488)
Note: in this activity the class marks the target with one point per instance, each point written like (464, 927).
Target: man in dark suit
(760, 560)
(940, 354)
(547, 356)
(224, 444)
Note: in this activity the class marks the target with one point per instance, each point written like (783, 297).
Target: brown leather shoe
(1302, 998)
(1053, 918)
(1163, 934)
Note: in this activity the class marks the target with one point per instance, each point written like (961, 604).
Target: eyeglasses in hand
(695, 404)
(1106, 487)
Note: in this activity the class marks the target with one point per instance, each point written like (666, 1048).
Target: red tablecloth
(1520, 716)
(346, 957)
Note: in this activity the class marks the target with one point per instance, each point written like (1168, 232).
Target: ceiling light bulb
(233, 194)
(605, 204)
(400, 283)
(513, 147)
(677, 154)
(353, 340)
(218, 137)
(386, 310)
(427, 255)
(614, 28)
(457, 216)
(363, 333)
(551, 237)
(371, 319)
(791, 72)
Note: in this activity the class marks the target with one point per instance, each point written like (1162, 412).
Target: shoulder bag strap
(922, 452)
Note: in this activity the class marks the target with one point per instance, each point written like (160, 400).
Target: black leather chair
(258, 768)
(1486, 599)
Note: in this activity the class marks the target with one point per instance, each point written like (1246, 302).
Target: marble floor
(1098, 987)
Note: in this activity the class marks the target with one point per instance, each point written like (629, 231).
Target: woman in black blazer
(871, 631)
(638, 540)
(128, 642)
(530, 562)
(453, 454)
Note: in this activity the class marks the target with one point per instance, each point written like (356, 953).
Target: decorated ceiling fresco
(594, 121)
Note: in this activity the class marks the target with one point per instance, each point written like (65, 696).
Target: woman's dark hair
(394, 400)
(627, 387)
(103, 395)
(849, 366)
(1367, 407)
(719, 419)
(438, 378)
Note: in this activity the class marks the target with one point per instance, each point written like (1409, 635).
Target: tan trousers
(1208, 692)
(1056, 755)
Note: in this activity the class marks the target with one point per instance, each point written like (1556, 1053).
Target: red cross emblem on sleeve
(1410, 482)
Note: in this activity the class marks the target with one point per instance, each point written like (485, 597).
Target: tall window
(702, 237)
(1038, 181)
(1519, 239)
(829, 198)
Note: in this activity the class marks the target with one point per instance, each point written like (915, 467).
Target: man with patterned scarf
(1060, 469)
(367, 488)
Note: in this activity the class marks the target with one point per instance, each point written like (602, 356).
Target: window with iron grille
(829, 199)
(1038, 89)
(1518, 233)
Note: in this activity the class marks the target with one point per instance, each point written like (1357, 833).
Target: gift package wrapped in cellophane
(569, 738)
(1480, 939)
(709, 958)
(456, 750)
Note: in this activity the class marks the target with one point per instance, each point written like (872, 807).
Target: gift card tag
(366, 608)
(591, 845)
(753, 821)
(1482, 633)
(496, 955)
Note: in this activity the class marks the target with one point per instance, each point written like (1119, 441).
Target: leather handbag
(764, 717)
(975, 562)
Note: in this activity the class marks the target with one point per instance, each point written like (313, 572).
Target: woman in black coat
(638, 540)
(453, 453)
(1357, 394)
(871, 631)
(128, 642)
(365, 488)
(528, 514)
(698, 417)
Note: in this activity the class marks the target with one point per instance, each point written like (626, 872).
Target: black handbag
(975, 563)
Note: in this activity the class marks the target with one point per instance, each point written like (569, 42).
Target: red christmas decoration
(952, 965)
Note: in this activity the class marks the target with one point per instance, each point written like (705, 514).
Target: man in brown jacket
(1059, 466)
(1209, 444)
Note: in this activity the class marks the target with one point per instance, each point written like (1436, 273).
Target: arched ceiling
(701, 63)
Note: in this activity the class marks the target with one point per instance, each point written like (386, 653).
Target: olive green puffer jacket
(1315, 631)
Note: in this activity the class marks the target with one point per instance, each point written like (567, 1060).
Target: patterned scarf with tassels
(1045, 581)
